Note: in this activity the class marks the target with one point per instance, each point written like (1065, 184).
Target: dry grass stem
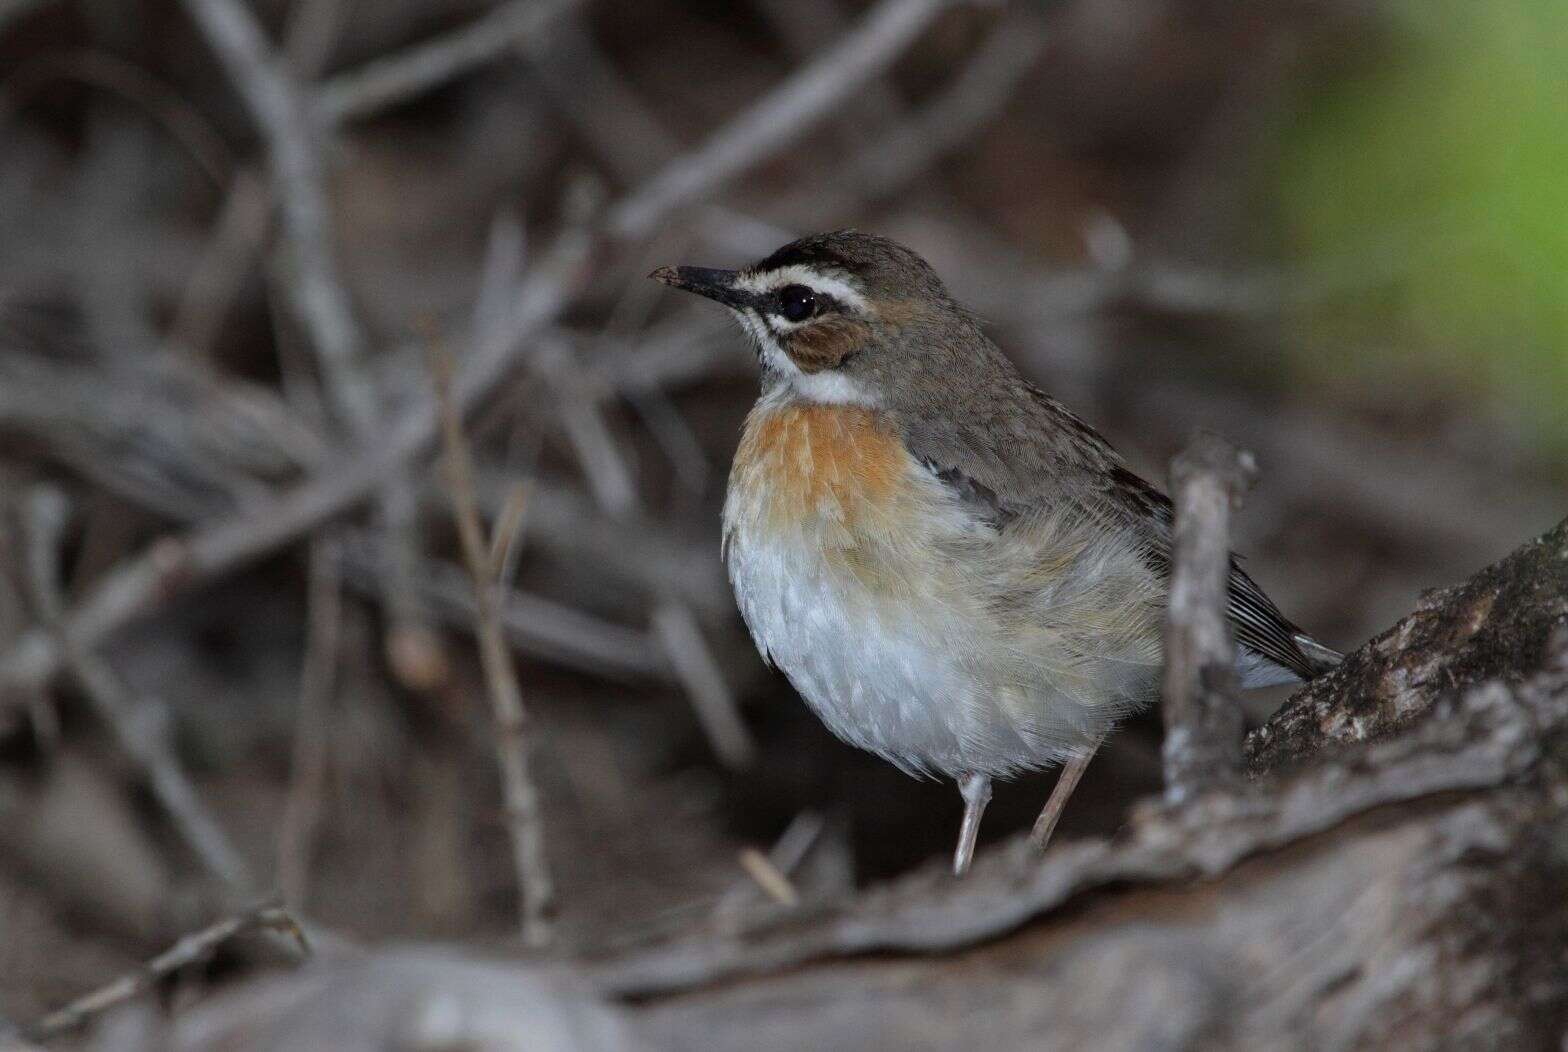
(318, 679)
(191, 949)
(524, 818)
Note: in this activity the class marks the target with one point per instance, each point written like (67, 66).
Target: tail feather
(1322, 658)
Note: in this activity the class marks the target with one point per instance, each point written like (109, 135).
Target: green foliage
(1452, 152)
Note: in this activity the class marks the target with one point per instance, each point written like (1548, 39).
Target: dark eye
(796, 302)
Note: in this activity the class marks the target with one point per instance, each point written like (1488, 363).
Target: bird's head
(839, 317)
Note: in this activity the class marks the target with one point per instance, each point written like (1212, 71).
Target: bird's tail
(1320, 657)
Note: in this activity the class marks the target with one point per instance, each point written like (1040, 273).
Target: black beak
(717, 285)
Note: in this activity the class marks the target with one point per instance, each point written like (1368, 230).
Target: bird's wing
(1258, 623)
(1050, 456)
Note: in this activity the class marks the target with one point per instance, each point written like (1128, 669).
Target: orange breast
(798, 463)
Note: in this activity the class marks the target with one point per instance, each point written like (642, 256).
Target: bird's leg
(976, 790)
(1066, 782)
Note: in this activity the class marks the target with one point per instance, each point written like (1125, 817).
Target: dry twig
(525, 823)
(282, 114)
(296, 829)
(189, 950)
(177, 564)
(804, 98)
(1203, 718)
(140, 724)
(408, 74)
(711, 698)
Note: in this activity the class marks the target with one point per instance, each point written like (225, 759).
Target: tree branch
(1203, 718)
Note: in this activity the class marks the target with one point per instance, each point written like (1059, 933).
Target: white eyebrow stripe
(799, 274)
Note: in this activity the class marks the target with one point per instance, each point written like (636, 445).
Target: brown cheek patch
(825, 343)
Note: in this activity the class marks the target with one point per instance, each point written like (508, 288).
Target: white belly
(879, 675)
(916, 631)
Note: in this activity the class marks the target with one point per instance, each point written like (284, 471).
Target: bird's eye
(796, 302)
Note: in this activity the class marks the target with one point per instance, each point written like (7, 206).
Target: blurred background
(236, 236)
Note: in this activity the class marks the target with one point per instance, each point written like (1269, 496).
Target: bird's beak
(717, 285)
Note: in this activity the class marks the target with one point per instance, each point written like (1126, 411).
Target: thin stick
(786, 855)
(284, 119)
(139, 723)
(768, 877)
(296, 830)
(698, 671)
(410, 73)
(174, 565)
(1203, 720)
(506, 537)
(190, 949)
(804, 98)
(525, 823)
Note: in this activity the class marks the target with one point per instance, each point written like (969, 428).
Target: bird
(954, 571)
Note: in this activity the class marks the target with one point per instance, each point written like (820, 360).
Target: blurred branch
(189, 950)
(140, 724)
(179, 563)
(1203, 718)
(525, 823)
(967, 103)
(408, 74)
(585, 86)
(692, 659)
(282, 114)
(160, 101)
(674, 625)
(318, 678)
(536, 626)
(789, 109)
(786, 855)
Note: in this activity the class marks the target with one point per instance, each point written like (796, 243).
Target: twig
(786, 855)
(581, 81)
(163, 103)
(178, 564)
(408, 74)
(190, 949)
(534, 625)
(226, 260)
(711, 698)
(595, 445)
(284, 119)
(805, 97)
(965, 105)
(507, 535)
(525, 823)
(281, 109)
(296, 829)
(140, 724)
(762, 870)
(1203, 719)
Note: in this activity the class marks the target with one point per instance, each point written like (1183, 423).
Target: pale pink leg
(1066, 782)
(976, 789)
